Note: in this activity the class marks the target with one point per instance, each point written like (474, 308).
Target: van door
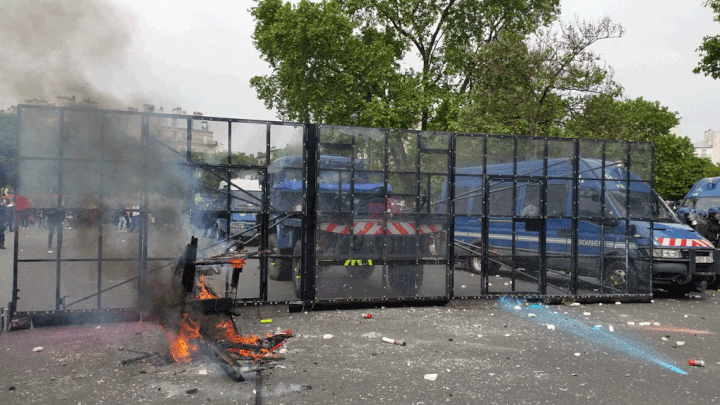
(517, 234)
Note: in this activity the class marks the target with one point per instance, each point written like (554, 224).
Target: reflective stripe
(676, 242)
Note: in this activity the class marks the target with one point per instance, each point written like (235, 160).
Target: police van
(703, 195)
(682, 260)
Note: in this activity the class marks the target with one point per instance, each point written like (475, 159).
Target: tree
(336, 57)
(326, 67)
(709, 50)
(444, 32)
(8, 142)
(531, 87)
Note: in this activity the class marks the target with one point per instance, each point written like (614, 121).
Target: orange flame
(251, 340)
(237, 263)
(180, 345)
(204, 294)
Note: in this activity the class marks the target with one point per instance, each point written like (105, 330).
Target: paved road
(495, 352)
(498, 351)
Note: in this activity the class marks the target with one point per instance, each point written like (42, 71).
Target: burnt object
(186, 264)
(235, 277)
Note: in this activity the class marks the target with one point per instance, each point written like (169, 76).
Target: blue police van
(682, 260)
(703, 195)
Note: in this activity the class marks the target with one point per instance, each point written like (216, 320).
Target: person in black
(3, 220)
(689, 217)
(713, 230)
(55, 218)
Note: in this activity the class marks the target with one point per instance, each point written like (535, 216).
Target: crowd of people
(708, 227)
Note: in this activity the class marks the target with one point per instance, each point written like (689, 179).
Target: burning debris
(196, 332)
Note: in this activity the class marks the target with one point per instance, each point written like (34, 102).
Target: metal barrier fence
(328, 213)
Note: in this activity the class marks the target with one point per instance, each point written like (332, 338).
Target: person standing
(3, 221)
(135, 219)
(22, 207)
(55, 218)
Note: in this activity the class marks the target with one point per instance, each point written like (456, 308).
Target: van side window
(589, 203)
(531, 201)
(501, 197)
(557, 196)
(462, 200)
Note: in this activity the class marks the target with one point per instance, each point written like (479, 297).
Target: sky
(199, 55)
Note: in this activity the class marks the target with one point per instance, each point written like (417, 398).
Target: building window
(204, 125)
(174, 122)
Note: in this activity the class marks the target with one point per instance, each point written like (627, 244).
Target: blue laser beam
(545, 315)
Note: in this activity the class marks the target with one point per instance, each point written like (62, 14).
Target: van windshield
(642, 205)
(701, 204)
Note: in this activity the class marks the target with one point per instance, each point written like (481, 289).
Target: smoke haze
(48, 46)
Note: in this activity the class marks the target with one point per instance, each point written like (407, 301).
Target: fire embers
(216, 335)
(181, 345)
(202, 291)
(222, 337)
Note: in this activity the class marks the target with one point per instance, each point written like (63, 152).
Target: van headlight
(666, 253)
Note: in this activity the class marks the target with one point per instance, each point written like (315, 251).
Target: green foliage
(327, 67)
(8, 142)
(530, 87)
(333, 58)
(709, 64)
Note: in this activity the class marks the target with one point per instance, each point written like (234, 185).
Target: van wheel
(475, 263)
(278, 268)
(616, 275)
(405, 279)
(297, 269)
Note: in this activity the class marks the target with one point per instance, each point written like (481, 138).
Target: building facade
(709, 147)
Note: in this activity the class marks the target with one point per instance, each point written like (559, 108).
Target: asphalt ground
(494, 351)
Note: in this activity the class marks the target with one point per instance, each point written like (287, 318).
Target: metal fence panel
(329, 213)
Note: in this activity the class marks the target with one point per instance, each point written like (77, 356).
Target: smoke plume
(48, 46)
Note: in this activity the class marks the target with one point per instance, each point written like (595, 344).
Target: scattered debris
(577, 354)
(698, 363)
(192, 391)
(610, 328)
(367, 316)
(551, 327)
(328, 336)
(393, 341)
(680, 343)
(631, 323)
(431, 377)
(138, 358)
(531, 315)
(38, 349)
(587, 313)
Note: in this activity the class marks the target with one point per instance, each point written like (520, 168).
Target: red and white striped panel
(376, 228)
(683, 242)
